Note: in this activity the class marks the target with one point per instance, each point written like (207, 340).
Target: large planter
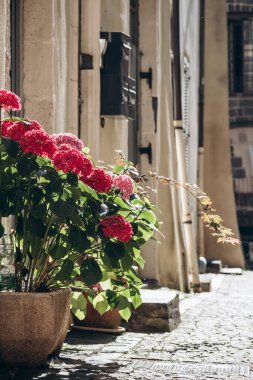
(32, 326)
(109, 320)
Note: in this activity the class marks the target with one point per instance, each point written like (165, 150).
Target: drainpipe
(201, 248)
(180, 152)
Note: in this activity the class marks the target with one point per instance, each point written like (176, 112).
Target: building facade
(240, 61)
(102, 69)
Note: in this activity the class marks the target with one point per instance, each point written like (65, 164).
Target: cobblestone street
(213, 341)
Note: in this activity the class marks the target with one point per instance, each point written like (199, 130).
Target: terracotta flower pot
(32, 326)
(109, 320)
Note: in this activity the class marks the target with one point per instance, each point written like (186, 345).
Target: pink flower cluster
(9, 100)
(99, 180)
(68, 138)
(125, 184)
(116, 226)
(69, 158)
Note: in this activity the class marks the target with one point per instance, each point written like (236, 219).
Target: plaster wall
(164, 260)
(90, 79)
(217, 164)
(50, 63)
(5, 56)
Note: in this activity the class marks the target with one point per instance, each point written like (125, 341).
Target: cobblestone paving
(213, 341)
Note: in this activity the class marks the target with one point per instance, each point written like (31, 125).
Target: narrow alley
(213, 341)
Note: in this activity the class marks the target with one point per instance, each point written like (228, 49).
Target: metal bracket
(147, 150)
(147, 75)
(86, 62)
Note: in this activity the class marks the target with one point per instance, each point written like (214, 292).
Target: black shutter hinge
(86, 62)
(147, 150)
(147, 75)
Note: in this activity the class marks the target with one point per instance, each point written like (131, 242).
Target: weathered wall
(50, 63)
(5, 44)
(90, 79)
(217, 166)
(164, 260)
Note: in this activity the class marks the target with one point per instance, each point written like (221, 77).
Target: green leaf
(98, 208)
(135, 298)
(11, 147)
(115, 250)
(126, 262)
(118, 169)
(86, 189)
(100, 303)
(62, 209)
(78, 239)
(140, 261)
(72, 178)
(65, 271)
(1, 230)
(91, 272)
(149, 216)
(58, 251)
(124, 308)
(26, 165)
(78, 305)
(36, 227)
(112, 298)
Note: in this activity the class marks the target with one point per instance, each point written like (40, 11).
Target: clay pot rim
(52, 293)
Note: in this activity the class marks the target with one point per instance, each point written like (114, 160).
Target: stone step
(237, 271)
(214, 266)
(205, 282)
(159, 311)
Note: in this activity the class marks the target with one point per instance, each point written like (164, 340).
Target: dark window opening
(236, 56)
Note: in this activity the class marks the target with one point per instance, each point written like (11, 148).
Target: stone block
(159, 311)
(237, 271)
(214, 266)
(205, 282)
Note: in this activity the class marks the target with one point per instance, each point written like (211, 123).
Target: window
(240, 55)
(235, 56)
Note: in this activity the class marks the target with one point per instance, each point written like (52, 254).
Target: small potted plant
(74, 225)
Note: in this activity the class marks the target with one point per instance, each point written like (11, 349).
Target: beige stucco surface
(164, 260)
(217, 166)
(49, 64)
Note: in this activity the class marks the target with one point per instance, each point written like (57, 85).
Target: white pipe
(186, 212)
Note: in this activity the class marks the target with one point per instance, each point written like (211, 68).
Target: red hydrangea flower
(18, 129)
(125, 184)
(5, 127)
(68, 158)
(116, 226)
(38, 142)
(68, 138)
(9, 100)
(99, 180)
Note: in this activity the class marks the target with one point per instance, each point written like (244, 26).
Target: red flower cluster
(68, 158)
(5, 127)
(38, 142)
(9, 100)
(18, 130)
(99, 180)
(116, 226)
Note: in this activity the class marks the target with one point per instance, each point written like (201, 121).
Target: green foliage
(58, 238)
